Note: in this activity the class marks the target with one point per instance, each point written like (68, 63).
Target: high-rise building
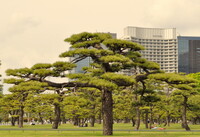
(160, 45)
(188, 54)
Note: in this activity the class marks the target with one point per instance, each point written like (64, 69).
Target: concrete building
(188, 54)
(160, 45)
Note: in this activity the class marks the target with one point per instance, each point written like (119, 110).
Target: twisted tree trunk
(184, 115)
(57, 116)
(137, 118)
(21, 116)
(107, 110)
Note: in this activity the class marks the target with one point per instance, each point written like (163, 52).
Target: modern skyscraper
(188, 54)
(160, 45)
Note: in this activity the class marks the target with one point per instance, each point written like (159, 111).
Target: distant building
(160, 45)
(114, 35)
(86, 62)
(188, 54)
(83, 63)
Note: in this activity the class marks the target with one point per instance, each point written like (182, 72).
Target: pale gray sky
(32, 31)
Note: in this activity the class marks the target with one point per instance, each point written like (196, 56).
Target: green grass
(125, 126)
(45, 131)
(94, 134)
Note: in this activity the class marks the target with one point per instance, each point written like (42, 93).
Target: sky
(33, 31)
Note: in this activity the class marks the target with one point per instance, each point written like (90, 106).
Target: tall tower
(160, 45)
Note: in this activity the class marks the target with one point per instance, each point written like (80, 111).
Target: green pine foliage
(102, 87)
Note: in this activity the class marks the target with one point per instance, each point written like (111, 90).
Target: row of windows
(174, 43)
(158, 59)
(173, 68)
(161, 59)
(160, 47)
(147, 43)
(171, 71)
(155, 40)
(160, 54)
(174, 62)
(170, 65)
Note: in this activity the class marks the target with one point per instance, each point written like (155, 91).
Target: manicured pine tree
(21, 90)
(122, 106)
(40, 106)
(93, 95)
(184, 87)
(10, 105)
(109, 56)
(143, 69)
(41, 72)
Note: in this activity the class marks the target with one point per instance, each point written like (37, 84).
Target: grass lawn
(45, 131)
(94, 134)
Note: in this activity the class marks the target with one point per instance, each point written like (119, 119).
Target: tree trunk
(21, 116)
(40, 117)
(168, 119)
(92, 121)
(151, 117)
(133, 122)
(184, 114)
(198, 120)
(137, 118)
(13, 120)
(107, 112)
(92, 117)
(57, 116)
(146, 119)
(159, 120)
(76, 121)
(99, 117)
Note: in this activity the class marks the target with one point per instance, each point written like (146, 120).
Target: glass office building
(188, 54)
(83, 63)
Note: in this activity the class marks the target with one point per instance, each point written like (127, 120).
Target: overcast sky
(32, 31)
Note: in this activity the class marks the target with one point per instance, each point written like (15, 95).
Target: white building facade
(160, 45)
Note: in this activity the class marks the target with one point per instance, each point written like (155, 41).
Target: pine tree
(184, 87)
(109, 58)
